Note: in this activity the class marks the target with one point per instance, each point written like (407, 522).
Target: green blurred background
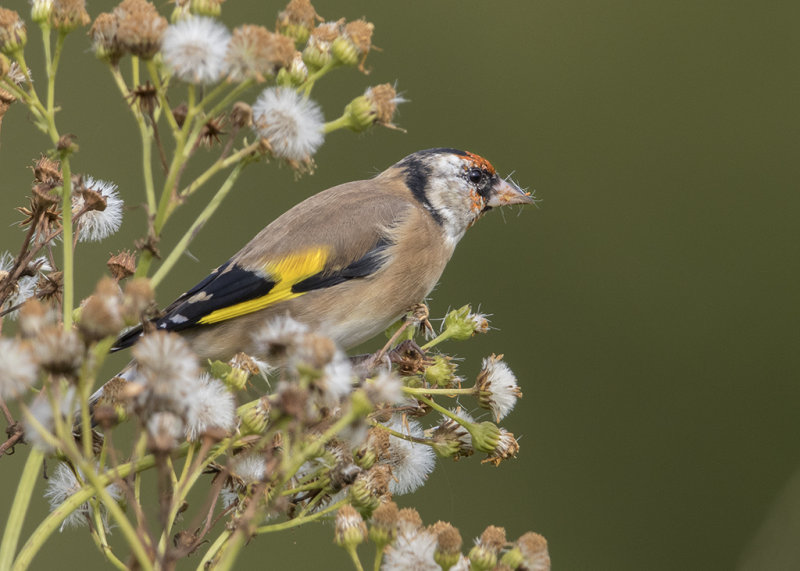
(648, 304)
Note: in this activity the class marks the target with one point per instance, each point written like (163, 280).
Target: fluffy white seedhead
(411, 462)
(194, 49)
(211, 405)
(499, 388)
(43, 418)
(290, 122)
(96, 225)
(17, 369)
(168, 371)
(411, 551)
(62, 484)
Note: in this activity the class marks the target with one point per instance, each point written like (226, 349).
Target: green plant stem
(152, 69)
(218, 166)
(22, 499)
(338, 123)
(400, 435)
(447, 392)
(145, 134)
(443, 336)
(351, 550)
(199, 222)
(436, 406)
(100, 539)
(66, 224)
(298, 521)
(312, 78)
(186, 483)
(51, 74)
(214, 549)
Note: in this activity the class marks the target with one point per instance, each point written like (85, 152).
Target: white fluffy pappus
(195, 48)
(96, 225)
(411, 462)
(18, 369)
(62, 484)
(411, 551)
(290, 122)
(498, 386)
(211, 406)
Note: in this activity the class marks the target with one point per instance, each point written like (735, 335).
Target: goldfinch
(348, 261)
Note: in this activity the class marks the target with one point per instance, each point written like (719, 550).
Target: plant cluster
(240, 448)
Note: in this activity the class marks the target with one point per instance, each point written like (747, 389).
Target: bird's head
(457, 187)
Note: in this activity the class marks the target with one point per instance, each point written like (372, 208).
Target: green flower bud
(350, 527)
(298, 32)
(211, 8)
(485, 436)
(344, 51)
(442, 372)
(459, 323)
(512, 558)
(316, 58)
(360, 402)
(255, 416)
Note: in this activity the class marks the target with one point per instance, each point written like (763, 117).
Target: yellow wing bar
(285, 272)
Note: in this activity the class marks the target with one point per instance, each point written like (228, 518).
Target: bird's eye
(474, 175)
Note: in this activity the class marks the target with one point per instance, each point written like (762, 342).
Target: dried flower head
(17, 368)
(137, 300)
(383, 528)
(167, 370)
(291, 123)
(24, 287)
(448, 544)
(122, 265)
(13, 34)
(140, 27)
(104, 37)
(350, 529)
(354, 43)
(62, 484)
(47, 171)
(317, 53)
(101, 314)
(534, 552)
(195, 48)
(97, 208)
(34, 316)
(255, 52)
(58, 351)
(496, 387)
(69, 14)
(297, 20)
(507, 447)
(165, 430)
(451, 438)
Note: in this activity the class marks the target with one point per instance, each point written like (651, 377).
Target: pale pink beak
(505, 193)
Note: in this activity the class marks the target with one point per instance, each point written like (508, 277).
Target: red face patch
(479, 162)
